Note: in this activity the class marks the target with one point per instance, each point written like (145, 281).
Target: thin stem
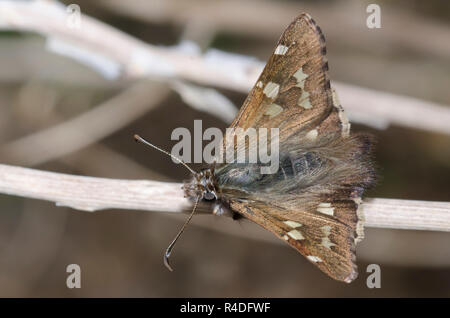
(94, 194)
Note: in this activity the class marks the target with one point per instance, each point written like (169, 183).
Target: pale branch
(118, 55)
(93, 194)
(90, 193)
(407, 214)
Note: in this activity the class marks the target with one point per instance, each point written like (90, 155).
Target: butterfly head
(202, 185)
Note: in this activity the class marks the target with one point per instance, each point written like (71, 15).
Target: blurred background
(120, 252)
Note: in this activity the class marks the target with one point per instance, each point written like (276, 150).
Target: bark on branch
(93, 194)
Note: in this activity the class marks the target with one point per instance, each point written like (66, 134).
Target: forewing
(293, 91)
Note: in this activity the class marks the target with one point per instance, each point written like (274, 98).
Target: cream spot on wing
(314, 259)
(273, 110)
(285, 237)
(259, 84)
(328, 211)
(326, 229)
(312, 135)
(327, 243)
(326, 240)
(271, 90)
(304, 100)
(281, 50)
(325, 208)
(300, 77)
(292, 224)
(306, 104)
(296, 235)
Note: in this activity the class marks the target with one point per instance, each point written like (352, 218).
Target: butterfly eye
(209, 196)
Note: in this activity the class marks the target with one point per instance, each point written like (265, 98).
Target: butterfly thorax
(202, 185)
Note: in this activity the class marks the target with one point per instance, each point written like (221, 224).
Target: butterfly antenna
(142, 140)
(169, 249)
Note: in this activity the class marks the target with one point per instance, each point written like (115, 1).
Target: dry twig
(93, 194)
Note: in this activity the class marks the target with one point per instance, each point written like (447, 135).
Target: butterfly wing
(294, 84)
(324, 241)
(312, 200)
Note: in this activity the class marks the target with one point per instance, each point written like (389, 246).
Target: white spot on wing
(325, 208)
(306, 104)
(281, 50)
(259, 84)
(326, 240)
(271, 90)
(296, 235)
(326, 229)
(314, 259)
(327, 243)
(304, 100)
(273, 110)
(292, 224)
(328, 211)
(301, 77)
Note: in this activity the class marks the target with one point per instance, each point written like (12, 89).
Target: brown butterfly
(311, 201)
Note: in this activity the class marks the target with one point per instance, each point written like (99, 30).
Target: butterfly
(311, 201)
